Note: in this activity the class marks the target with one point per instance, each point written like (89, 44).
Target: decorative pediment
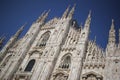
(86, 74)
(60, 72)
(92, 76)
(94, 53)
(60, 75)
(35, 52)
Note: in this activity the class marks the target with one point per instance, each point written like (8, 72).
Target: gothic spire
(11, 42)
(1, 41)
(88, 20)
(40, 17)
(112, 34)
(112, 25)
(66, 12)
(45, 16)
(71, 12)
(19, 31)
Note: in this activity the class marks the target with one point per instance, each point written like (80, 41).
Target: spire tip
(112, 20)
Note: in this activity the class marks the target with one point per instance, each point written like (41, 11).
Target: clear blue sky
(14, 13)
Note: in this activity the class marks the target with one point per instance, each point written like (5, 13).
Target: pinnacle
(23, 26)
(95, 39)
(71, 11)
(112, 25)
(66, 12)
(112, 20)
(89, 15)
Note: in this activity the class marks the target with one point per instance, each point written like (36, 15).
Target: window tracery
(66, 62)
(91, 76)
(43, 40)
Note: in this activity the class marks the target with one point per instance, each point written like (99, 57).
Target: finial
(48, 11)
(72, 11)
(95, 39)
(112, 20)
(40, 17)
(88, 20)
(45, 16)
(19, 31)
(74, 5)
(89, 15)
(66, 12)
(73, 8)
(22, 27)
(42, 14)
(68, 6)
(112, 25)
(112, 38)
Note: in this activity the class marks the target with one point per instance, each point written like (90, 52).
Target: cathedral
(59, 49)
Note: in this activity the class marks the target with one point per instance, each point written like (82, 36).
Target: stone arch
(6, 60)
(60, 76)
(65, 61)
(30, 65)
(92, 76)
(44, 38)
(35, 52)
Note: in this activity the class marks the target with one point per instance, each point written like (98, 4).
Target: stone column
(47, 71)
(12, 68)
(75, 70)
(38, 70)
(4, 70)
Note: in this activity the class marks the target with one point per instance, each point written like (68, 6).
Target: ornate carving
(65, 62)
(60, 76)
(92, 76)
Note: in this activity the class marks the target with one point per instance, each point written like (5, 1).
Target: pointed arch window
(6, 60)
(30, 65)
(44, 38)
(66, 62)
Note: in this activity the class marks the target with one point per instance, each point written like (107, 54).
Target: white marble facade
(59, 50)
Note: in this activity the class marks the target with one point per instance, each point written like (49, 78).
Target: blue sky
(14, 13)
